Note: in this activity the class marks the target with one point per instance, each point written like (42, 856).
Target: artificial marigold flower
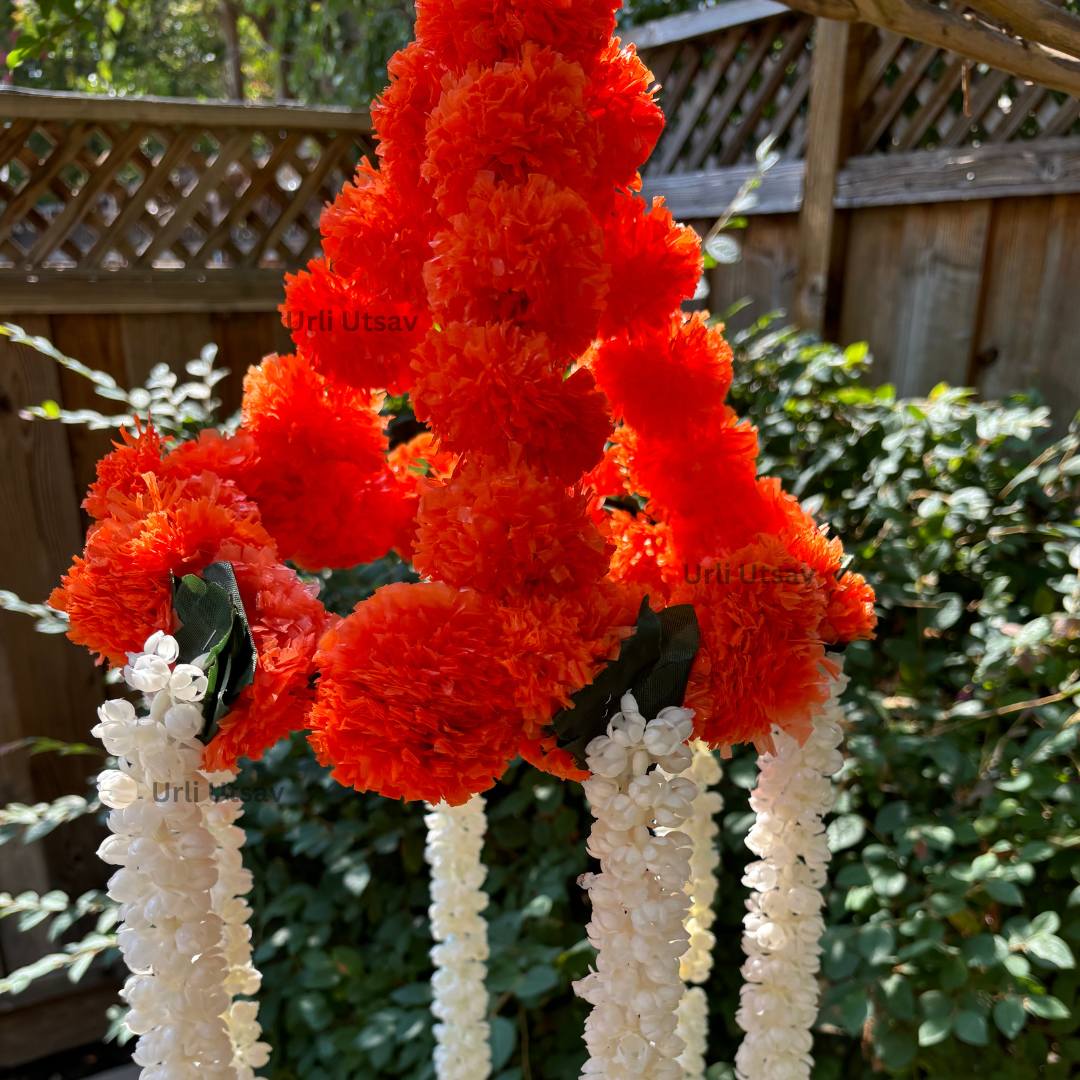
(373, 239)
(517, 118)
(555, 646)
(508, 532)
(666, 380)
(499, 391)
(412, 700)
(120, 473)
(655, 266)
(119, 591)
(622, 97)
(849, 614)
(226, 456)
(531, 254)
(644, 552)
(287, 621)
(710, 497)
(399, 117)
(349, 334)
(319, 474)
(762, 660)
(462, 31)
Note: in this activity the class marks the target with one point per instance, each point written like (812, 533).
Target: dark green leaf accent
(653, 663)
(214, 632)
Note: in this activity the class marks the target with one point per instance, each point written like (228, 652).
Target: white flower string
(784, 924)
(455, 842)
(638, 802)
(227, 899)
(697, 962)
(173, 886)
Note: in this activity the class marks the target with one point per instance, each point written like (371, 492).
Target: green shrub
(954, 907)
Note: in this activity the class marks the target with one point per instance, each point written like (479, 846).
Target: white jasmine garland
(783, 924)
(639, 903)
(696, 964)
(455, 841)
(227, 901)
(178, 880)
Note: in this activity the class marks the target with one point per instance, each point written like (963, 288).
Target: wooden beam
(833, 85)
(708, 194)
(20, 102)
(1039, 21)
(691, 24)
(1041, 167)
(55, 291)
(965, 36)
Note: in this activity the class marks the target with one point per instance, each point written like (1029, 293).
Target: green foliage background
(954, 907)
(954, 902)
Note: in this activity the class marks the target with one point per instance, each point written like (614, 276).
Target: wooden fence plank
(692, 24)
(918, 307)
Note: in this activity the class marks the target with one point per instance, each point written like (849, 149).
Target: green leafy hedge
(954, 905)
(954, 909)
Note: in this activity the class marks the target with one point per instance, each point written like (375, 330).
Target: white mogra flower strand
(639, 904)
(177, 880)
(783, 924)
(455, 842)
(227, 901)
(696, 964)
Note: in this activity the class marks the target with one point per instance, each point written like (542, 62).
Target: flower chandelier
(608, 588)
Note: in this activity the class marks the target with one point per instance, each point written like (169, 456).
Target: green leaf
(970, 1027)
(896, 1047)
(1009, 1016)
(1051, 950)
(1004, 892)
(1046, 1007)
(214, 633)
(654, 663)
(845, 831)
(503, 1041)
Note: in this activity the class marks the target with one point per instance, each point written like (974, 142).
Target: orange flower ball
(555, 646)
(287, 621)
(373, 239)
(412, 700)
(508, 532)
(531, 254)
(349, 334)
(622, 97)
(511, 120)
(319, 473)
(119, 591)
(399, 117)
(462, 31)
(518, 402)
(655, 266)
(120, 473)
(666, 380)
(761, 660)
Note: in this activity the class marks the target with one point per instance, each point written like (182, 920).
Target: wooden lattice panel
(137, 195)
(913, 98)
(724, 93)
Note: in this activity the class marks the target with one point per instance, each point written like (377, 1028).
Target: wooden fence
(930, 207)
(925, 204)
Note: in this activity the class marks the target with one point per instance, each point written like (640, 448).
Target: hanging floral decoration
(584, 507)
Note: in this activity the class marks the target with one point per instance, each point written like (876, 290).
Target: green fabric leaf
(653, 664)
(215, 633)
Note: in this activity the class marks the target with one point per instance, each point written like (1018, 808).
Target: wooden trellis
(129, 192)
